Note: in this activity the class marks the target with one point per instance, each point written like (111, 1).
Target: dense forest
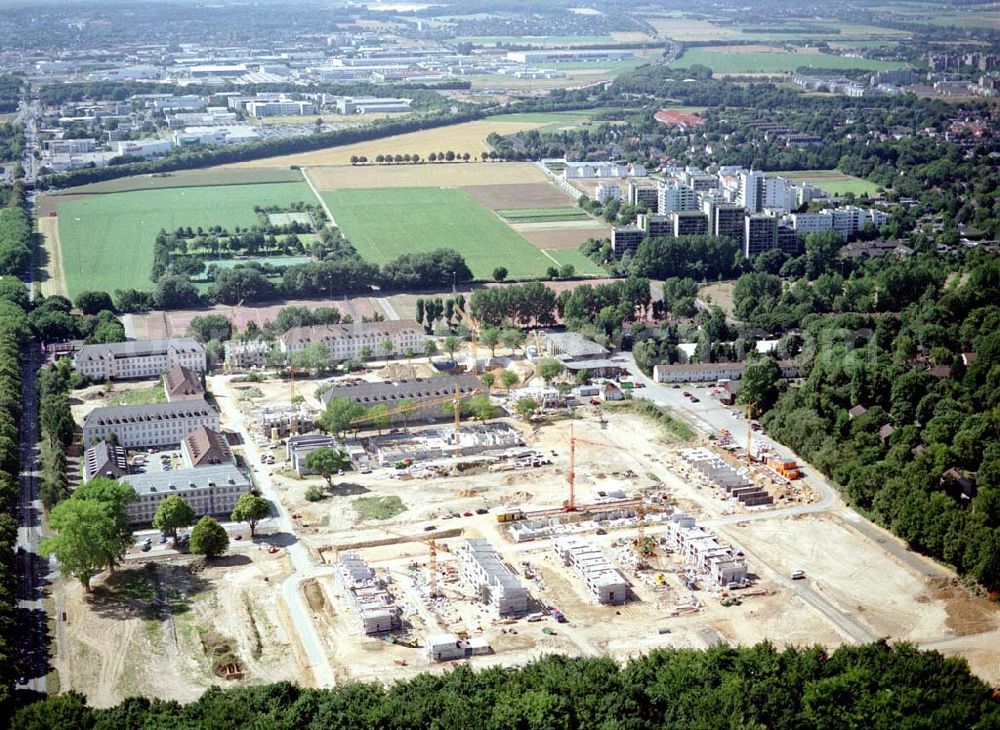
(874, 686)
(924, 460)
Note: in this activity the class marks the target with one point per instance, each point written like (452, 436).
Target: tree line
(761, 686)
(15, 339)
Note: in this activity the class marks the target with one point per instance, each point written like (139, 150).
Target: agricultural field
(465, 137)
(106, 241)
(187, 179)
(764, 59)
(831, 181)
(402, 220)
(540, 215)
(489, 175)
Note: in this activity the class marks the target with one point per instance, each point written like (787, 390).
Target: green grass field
(107, 240)
(757, 62)
(831, 181)
(538, 215)
(391, 222)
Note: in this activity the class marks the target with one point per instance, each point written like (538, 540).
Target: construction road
(709, 418)
(302, 563)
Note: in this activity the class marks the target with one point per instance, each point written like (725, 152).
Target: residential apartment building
(689, 223)
(157, 424)
(625, 238)
(139, 359)
(603, 580)
(751, 190)
(209, 490)
(726, 220)
(346, 341)
(655, 226)
(711, 371)
(607, 192)
(491, 580)
(673, 196)
(760, 234)
(647, 195)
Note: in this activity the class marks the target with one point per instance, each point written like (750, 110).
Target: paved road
(32, 568)
(303, 565)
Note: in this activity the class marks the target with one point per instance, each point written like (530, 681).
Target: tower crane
(228, 366)
(432, 564)
(475, 327)
(570, 504)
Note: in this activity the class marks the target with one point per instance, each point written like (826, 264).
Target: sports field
(751, 59)
(831, 181)
(401, 220)
(106, 241)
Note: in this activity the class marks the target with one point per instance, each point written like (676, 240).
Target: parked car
(686, 394)
(482, 511)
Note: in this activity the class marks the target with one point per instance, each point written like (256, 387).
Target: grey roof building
(138, 359)
(209, 490)
(158, 424)
(393, 394)
(104, 460)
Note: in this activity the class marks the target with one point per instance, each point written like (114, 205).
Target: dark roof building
(105, 460)
(182, 383)
(204, 446)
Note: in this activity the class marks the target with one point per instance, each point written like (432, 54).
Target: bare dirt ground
(448, 174)
(847, 572)
(518, 195)
(845, 568)
(176, 323)
(559, 239)
(141, 630)
(466, 137)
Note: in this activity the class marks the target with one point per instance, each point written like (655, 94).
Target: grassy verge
(378, 508)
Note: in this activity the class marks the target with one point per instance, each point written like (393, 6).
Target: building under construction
(283, 420)
(493, 581)
(735, 483)
(440, 443)
(701, 549)
(604, 581)
(372, 602)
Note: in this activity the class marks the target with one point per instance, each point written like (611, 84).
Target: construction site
(588, 531)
